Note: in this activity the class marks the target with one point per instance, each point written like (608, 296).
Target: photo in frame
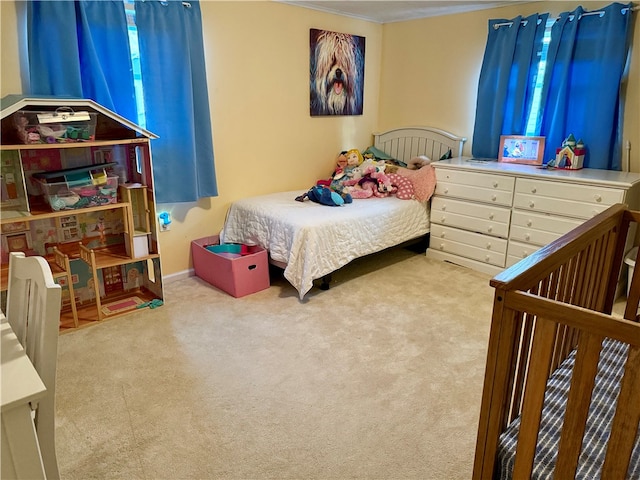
(336, 73)
(523, 149)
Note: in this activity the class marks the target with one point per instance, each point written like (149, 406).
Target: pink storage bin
(238, 275)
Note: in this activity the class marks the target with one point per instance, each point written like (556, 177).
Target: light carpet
(379, 377)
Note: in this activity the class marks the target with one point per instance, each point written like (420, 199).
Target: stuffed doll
(325, 196)
(341, 164)
(348, 168)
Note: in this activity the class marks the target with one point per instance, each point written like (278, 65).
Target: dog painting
(337, 73)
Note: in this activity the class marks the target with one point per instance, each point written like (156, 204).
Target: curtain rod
(571, 17)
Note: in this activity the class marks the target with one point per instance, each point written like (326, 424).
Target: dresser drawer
(468, 244)
(539, 229)
(476, 217)
(478, 194)
(582, 201)
(553, 205)
(484, 180)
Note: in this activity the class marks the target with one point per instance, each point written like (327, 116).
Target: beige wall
(422, 72)
(257, 56)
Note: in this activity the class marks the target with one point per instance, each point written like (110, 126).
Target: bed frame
(557, 300)
(402, 144)
(409, 142)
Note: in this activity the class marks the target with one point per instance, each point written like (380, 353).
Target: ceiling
(387, 11)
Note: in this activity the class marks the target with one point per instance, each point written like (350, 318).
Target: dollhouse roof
(107, 118)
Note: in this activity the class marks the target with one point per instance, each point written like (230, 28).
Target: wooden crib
(551, 314)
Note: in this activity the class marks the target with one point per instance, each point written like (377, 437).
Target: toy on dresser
(570, 155)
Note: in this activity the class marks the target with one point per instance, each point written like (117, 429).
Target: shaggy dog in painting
(337, 73)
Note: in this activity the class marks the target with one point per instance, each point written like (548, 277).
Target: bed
(562, 379)
(310, 241)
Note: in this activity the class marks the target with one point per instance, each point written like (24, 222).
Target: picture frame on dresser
(524, 149)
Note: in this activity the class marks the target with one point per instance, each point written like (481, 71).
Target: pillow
(423, 180)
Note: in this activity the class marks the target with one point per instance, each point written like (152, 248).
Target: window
(533, 122)
(552, 78)
(132, 29)
(145, 61)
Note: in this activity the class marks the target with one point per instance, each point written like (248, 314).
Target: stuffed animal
(325, 196)
(418, 162)
(373, 183)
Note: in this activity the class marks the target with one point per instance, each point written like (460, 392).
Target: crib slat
(631, 310)
(496, 387)
(541, 352)
(625, 421)
(582, 380)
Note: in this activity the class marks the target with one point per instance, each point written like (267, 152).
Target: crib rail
(557, 300)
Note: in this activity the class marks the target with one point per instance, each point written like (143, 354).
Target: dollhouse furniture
(488, 215)
(562, 377)
(61, 267)
(88, 197)
(33, 313)
(310, 241)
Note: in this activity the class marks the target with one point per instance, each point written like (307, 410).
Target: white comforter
(315, 240)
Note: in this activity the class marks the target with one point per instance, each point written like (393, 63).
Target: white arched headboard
(405, 143)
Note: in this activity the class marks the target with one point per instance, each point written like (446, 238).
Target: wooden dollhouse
(77, 189)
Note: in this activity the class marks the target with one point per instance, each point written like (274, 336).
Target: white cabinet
(489, 215)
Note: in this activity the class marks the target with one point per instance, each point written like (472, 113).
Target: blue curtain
(585, 65)
(176, 99)
(505, 87)
(80, 49)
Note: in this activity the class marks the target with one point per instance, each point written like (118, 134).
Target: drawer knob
(494, 198)
(534, 190)
(442, 234)
(524, 254)
(598, 198)
(495, 184)
(443, 219)
(491, 216)
(527, 237)
(532, 205)
(489, 246)
(529, 223)
(490, 229)
(443, 208)
(442, 246)
(446, 190)
(487, 258)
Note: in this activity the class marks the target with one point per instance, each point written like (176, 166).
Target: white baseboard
(174, 277)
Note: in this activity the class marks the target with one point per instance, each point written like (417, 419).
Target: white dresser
(489, 215)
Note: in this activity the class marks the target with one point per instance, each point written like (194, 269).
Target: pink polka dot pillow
(423, 180)
(403, 184)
